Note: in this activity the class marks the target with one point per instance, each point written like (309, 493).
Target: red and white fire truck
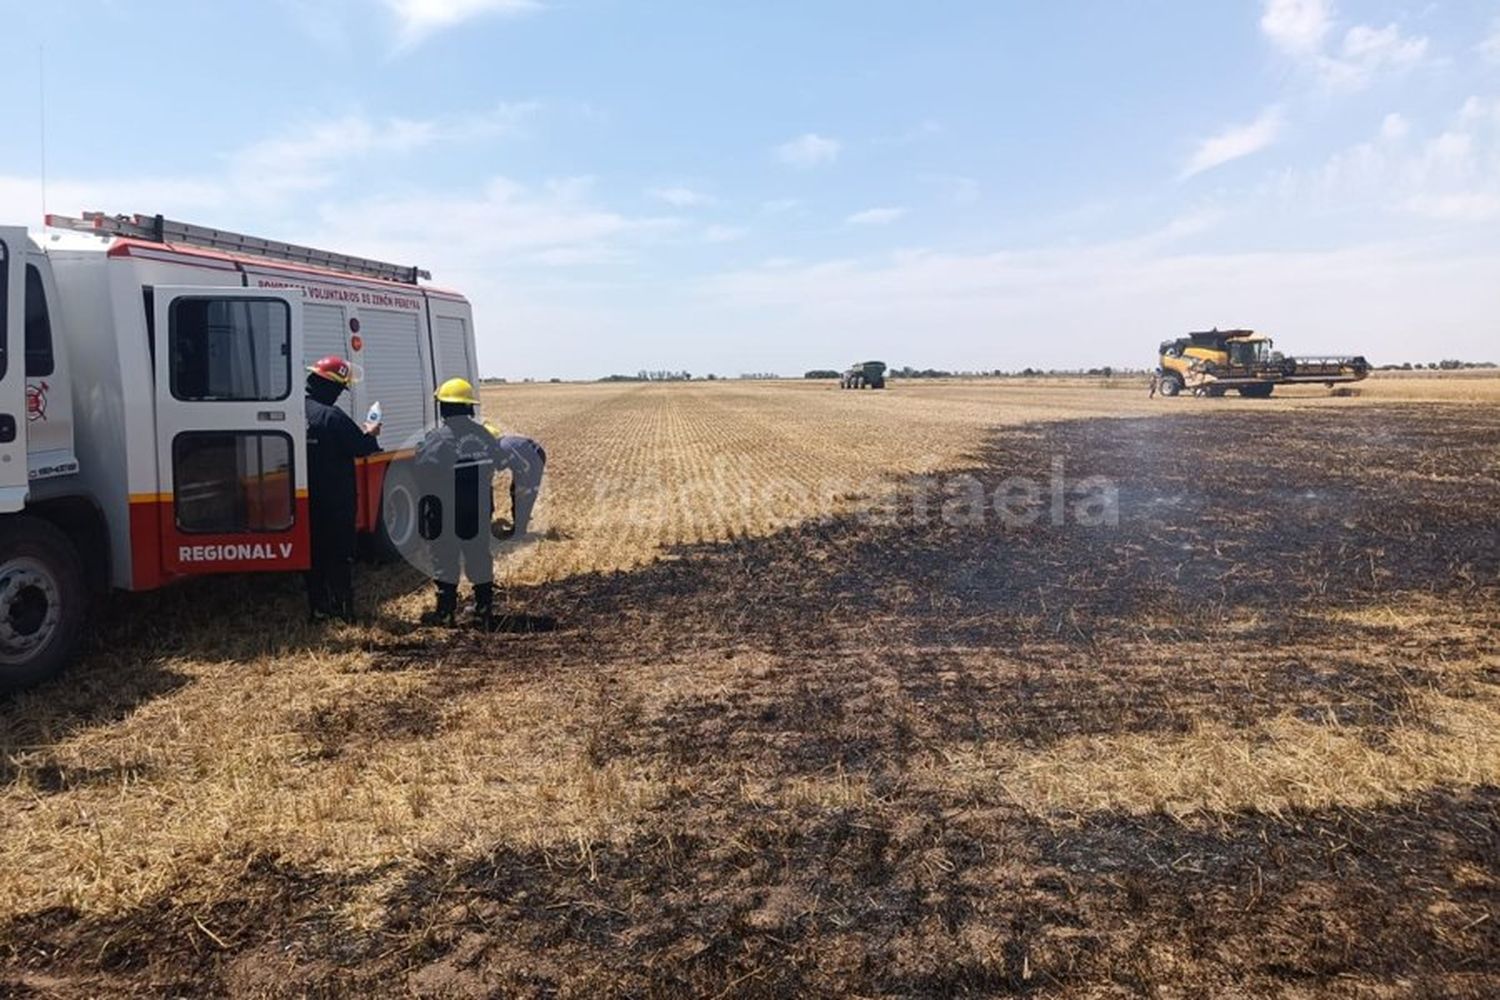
(151, 414)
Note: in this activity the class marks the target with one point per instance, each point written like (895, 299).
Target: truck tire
(396, 528)
(43, 602)
(1171, 384)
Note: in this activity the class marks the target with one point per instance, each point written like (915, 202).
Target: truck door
(230, 430)
(13, 482)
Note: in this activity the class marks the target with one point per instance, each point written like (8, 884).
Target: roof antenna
(41, 59)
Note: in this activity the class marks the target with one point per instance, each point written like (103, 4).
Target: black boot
(484, 604)
(319, 607)
(447, 606)
(341, 590)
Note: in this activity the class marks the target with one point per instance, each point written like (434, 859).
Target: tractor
(864, 375)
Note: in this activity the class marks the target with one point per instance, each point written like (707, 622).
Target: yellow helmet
(456, 390)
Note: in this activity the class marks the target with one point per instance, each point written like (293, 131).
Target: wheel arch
(83, 522)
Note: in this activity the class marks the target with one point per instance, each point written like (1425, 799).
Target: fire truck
(151, 414)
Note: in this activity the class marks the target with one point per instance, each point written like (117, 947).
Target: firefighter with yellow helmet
(455, 465)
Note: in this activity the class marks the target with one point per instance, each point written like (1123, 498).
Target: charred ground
(847, 722)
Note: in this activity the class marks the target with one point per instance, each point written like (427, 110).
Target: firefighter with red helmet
(334, 441)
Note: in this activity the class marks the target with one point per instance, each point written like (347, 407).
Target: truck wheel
(43, 602)
(396, 530)
(1171, 385)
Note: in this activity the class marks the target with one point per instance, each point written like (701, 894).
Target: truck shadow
(141, 644)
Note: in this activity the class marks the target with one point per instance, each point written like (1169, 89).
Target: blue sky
(786, 185)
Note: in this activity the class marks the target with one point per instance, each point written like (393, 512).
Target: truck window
(38, 326)
(228, 482)
(230, 350)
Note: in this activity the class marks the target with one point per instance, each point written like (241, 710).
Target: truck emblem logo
(36, 401)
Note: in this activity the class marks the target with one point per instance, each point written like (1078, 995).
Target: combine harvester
(151, 414)
(1213, 362)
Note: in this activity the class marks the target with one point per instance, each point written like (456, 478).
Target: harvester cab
(1211, 362)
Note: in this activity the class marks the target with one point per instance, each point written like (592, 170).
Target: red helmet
(334, 369)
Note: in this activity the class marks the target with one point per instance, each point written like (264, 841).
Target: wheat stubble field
(815, 724)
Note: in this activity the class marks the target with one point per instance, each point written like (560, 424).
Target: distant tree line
(908, 371)
(1447, 365)
(659, 375)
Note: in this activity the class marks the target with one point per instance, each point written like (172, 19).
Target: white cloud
(312, 157)
(1301, 29)
(307, 160)
(270, 172)
(1189, 224)
(1451, 175)
(1234, 143)
(1384, 46)
(502, 223)
(875, 217)
(1296, 26)
(416, 19)
(681, 197)
(1394, 127)
(1478, 112)
(1368, 51)
(808, 150)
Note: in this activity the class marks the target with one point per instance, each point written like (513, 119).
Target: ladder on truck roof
(160, 230)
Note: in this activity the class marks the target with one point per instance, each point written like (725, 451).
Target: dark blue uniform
(334, 441)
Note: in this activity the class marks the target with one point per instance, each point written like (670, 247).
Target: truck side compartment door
(14, 244)
(230, 430)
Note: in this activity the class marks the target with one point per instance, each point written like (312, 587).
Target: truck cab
(46, 415)
(160, 428)
(42, 581)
